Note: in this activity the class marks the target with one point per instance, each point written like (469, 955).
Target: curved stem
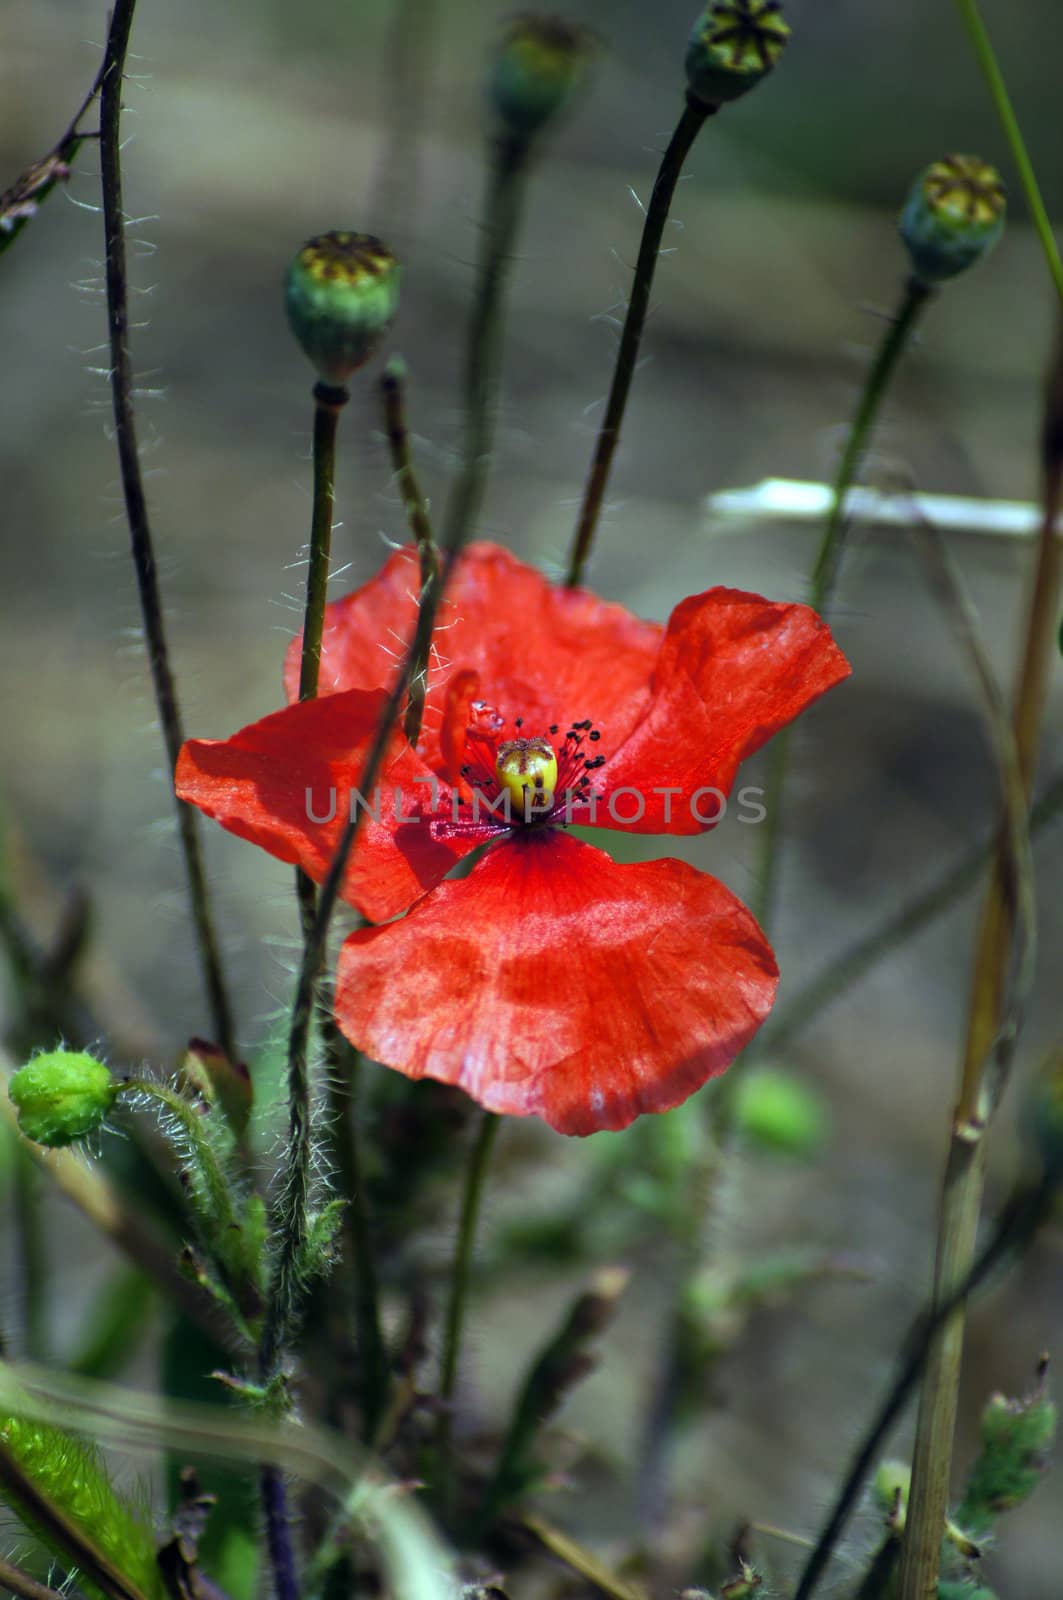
(687, 129)
(328, 403)
(475, 1176)
(825, 571)
(987, 60)
(393, 393)
(137, 511)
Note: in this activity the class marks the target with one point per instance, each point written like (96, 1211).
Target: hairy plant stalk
(965, 1168)
(121, 379)
(21, 1584)
(825, 571)
(475, 1177)
(687, 129)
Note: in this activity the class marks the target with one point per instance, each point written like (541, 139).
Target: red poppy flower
(550, 980)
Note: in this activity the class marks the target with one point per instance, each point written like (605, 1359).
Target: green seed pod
(953, 216)
(62, 1096)
(537, 67)
(735, 43)
(342, 292)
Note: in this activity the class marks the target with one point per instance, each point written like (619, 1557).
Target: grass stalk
(979, 1092)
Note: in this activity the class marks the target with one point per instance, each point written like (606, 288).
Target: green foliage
(775, 1112)
(71, 1475)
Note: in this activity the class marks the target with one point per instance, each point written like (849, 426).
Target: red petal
(547, 654)
(733, 669)
(554, 982)
(269, 781)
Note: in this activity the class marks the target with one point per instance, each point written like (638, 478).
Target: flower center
(527, 770)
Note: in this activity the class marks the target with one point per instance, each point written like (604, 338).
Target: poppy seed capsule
(953, 216)
(62, 1096)
(537, 66)
(342, 292)
(527, 771)
(735, 43)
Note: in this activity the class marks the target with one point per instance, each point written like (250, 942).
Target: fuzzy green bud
(342, 292)
(62, 1096)
(1017, 1436)
(776, 1112)
(953, 217)
(537, 67)
(735, 43)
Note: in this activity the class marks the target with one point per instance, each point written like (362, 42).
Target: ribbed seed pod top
(734, 44)
(953, 216)
(342, 292)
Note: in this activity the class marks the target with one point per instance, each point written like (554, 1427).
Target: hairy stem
(825, 571)
(137, 511)
(475, 1177)
(687, 129)
(393, 394)
(21, 1584)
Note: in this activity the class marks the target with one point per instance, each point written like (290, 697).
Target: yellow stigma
(527, 771)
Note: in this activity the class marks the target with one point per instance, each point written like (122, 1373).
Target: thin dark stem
(328, 403)
(903, 925)
(825, 572)
(393, 394)
(687, 129)
(137, 511)
(502, 213)
(475, 1177)
(1015, 1229)
(279, 1534)
(33, 1256)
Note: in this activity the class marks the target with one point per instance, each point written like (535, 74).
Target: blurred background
(255, 125)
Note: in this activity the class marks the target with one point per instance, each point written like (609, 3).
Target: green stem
(328, 403)
(687, 129)
(998, 90)
(502, 213)
(21, 1584)
(33, 1256)
(825, 572)
(475, 1176)
(144, 563)
(393, 393)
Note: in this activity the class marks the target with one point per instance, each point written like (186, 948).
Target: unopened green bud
(62, 1096)
(891, 1485)
(1017, 1436)
(342, 292)
(953, 216)
(735, 43)
(775, 1111)
(536, 69)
